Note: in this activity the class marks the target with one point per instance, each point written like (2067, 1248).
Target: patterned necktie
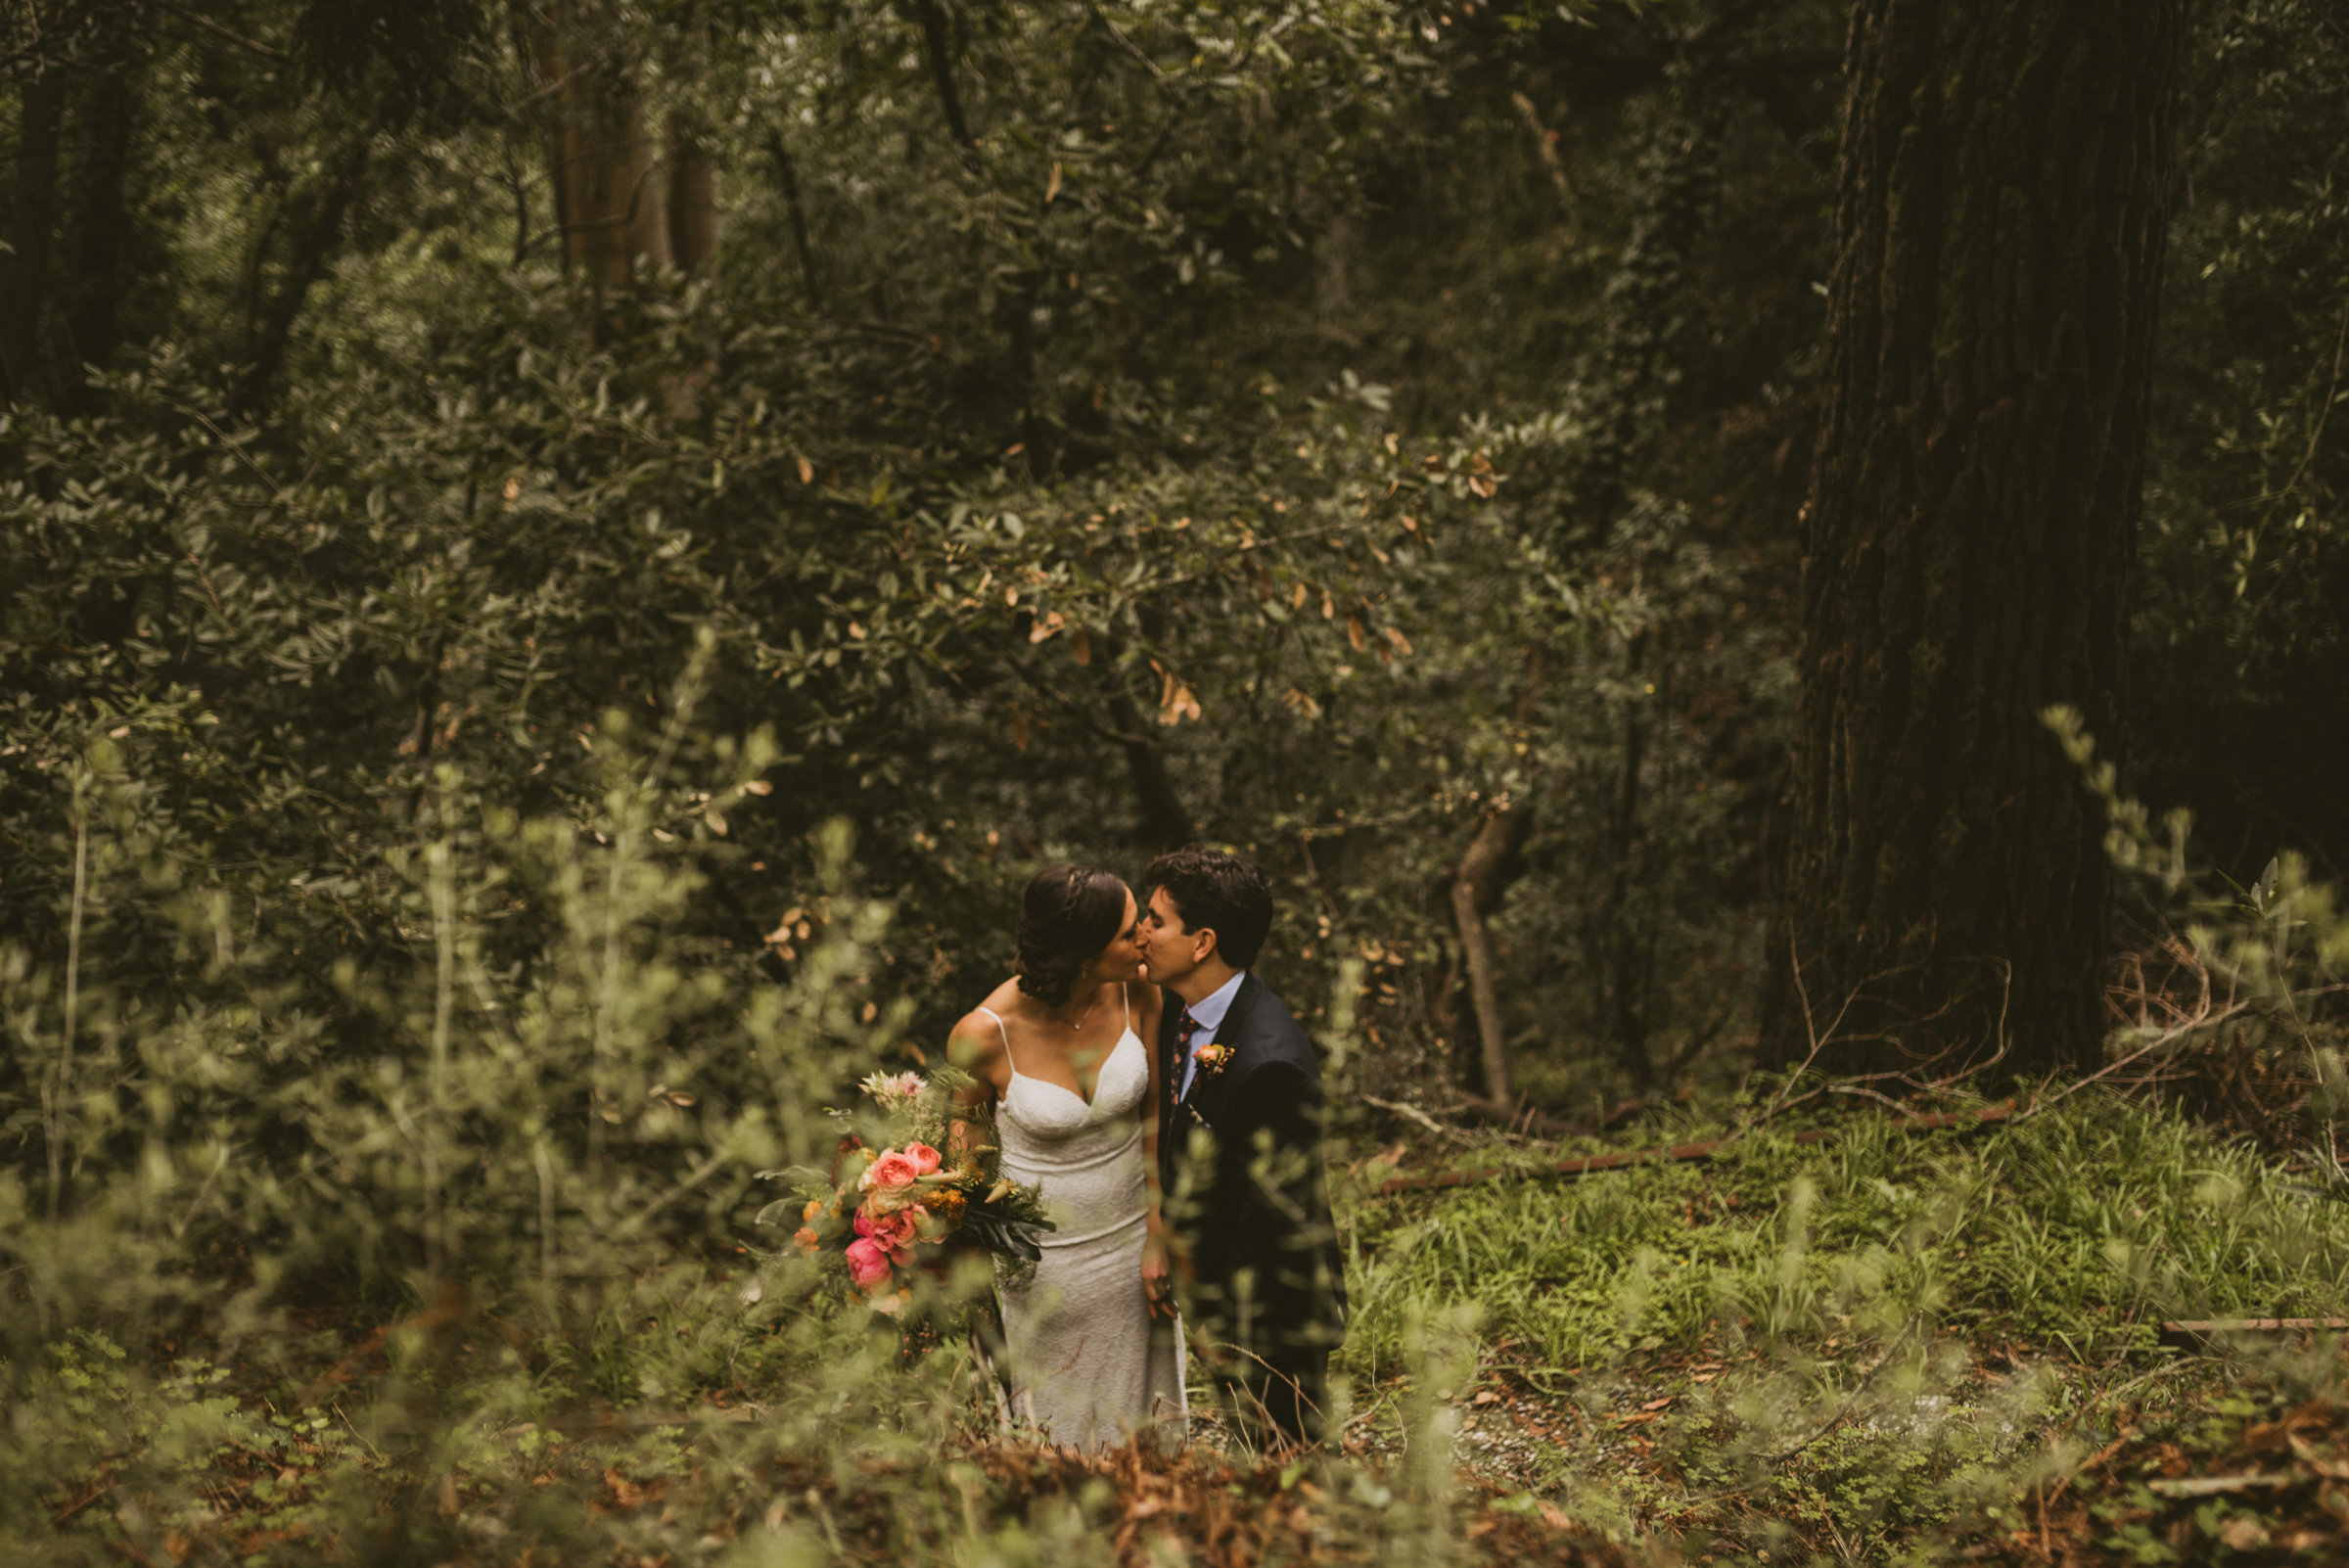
(1184, 1028)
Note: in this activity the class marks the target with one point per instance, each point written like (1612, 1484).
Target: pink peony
(869, 1264)
(899, 1232)
(925, 1158)
(891, 1230)
(894, 1170)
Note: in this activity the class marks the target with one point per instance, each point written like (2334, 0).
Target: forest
(1765, 580)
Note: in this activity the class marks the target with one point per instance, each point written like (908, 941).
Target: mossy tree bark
(2000, 221)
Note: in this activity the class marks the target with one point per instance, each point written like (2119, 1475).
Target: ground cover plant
(560, 565)
(1820, 1350)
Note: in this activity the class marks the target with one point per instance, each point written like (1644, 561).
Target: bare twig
(1128, 44)
(1411, 1111)
(2324, 413)
(205, 24)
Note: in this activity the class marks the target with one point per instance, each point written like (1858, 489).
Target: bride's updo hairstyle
(1066, 916)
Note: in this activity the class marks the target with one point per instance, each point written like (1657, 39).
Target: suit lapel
(1227, 1035)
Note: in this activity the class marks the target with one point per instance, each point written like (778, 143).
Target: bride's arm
(975, 1046)
(1158, 1280)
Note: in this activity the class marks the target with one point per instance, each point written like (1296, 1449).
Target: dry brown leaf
(2243, 1533)
(1178, 704)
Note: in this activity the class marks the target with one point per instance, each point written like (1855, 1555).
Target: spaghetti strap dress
(1088, 1364)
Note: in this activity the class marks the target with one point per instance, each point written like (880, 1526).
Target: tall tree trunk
(25, 268)
(313, 246)
(1630, 945)
(1163, 823)
(608, 200)
(101, 256)
(1483, 875)
(2001, 220)
(787, 174)
(937, 47)
(692, 194)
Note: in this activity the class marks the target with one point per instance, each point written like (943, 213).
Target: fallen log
(2185, 1333)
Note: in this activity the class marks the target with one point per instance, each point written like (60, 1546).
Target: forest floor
(1577, 1421)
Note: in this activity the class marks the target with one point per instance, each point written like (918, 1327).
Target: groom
(1239, 1149)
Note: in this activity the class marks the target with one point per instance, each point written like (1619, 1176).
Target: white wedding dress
(1089, 1367)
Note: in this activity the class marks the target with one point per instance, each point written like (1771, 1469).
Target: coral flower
(925, 1158)
(808, 1242)
(894, 1169)
(869, 1264)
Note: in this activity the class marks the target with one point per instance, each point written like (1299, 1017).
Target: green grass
(2079, 1229)
(1854, 1349)
(1860, 1349)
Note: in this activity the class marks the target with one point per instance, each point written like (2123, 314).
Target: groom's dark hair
(1219, 893)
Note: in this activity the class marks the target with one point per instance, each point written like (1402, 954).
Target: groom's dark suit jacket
(1266, 1271)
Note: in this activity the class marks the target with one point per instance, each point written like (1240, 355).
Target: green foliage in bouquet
(894, 1212)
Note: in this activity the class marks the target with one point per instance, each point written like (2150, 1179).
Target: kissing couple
(1169, 1105)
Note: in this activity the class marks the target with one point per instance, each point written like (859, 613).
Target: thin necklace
(1087, 1013)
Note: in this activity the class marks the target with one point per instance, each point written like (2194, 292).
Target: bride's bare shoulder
(976, 1041)
(1143, 998)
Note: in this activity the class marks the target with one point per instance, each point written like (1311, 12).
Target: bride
(1058, 1051)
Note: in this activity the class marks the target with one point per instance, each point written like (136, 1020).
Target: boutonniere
(1212, 1059)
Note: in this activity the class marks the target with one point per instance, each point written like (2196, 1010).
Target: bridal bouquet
(884, 1215)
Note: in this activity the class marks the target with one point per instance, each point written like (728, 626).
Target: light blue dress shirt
(1207, 1014)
